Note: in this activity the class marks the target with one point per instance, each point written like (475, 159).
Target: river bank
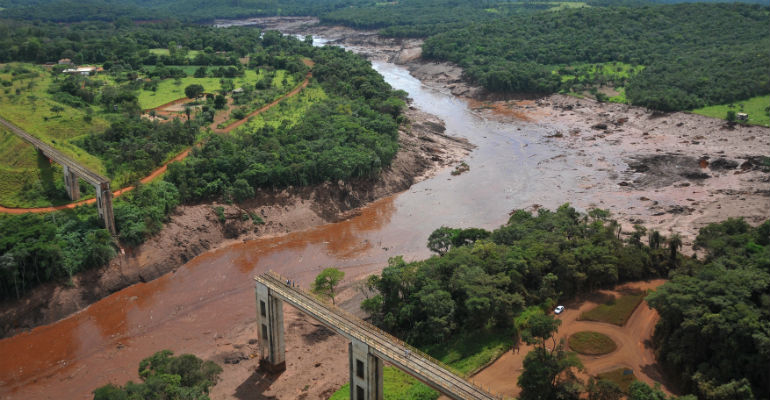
(673, 172)
(526, 157)
(194, 229)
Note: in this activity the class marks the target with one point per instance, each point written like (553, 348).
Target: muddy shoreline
(191, 230)
(646, 168)
(674, 172)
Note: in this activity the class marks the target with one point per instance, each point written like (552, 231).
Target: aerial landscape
(410, 199)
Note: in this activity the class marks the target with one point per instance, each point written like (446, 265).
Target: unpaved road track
(633, 340)
(162, 169)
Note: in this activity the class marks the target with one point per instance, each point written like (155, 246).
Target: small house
(742, 116)
(65, 61)
(85, 71)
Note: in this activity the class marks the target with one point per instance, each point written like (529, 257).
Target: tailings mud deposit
(554, 156)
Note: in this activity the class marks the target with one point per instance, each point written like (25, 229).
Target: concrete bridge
(369, 346)
(73, 171)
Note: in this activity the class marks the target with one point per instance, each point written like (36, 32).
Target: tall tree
(547, 372)
(326, 282)
(193, 91)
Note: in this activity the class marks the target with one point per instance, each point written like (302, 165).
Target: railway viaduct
(369, 346)
(73, 171)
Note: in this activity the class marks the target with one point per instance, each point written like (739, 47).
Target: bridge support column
(272, 348)
(104, 206)
(365, 373)
(71, 183)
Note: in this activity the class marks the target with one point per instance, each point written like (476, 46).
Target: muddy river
(186, 311)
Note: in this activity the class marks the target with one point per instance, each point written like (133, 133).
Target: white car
(558, 309)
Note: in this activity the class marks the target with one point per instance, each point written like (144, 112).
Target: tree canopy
(532, 260)
(714, 331)
(166, 377)
(326, 282)
(693, 54)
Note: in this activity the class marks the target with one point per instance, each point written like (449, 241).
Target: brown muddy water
(187, 310)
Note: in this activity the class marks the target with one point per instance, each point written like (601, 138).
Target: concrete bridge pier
(71, 183)
(365, 373)
(272, 347)
(104, 205)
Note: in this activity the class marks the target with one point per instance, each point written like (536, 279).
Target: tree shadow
(255, 386)
(46, 174)
(627, 291)
(319, 334)
(52, 187)
(598, 297)
(655, 373)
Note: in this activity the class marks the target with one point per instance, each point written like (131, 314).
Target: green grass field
(616, 311)
(172, 89)
(754, 106)
(611, 71)
(464, 354)
(397, 385)
(164, 52)
(562, 5)
(618, 376)
(608, 75)
(591, 343)
(30, 109)
(290, 110)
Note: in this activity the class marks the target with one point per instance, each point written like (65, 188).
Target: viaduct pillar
(272, 347)
(365, 373)
(104, 205)
(71, 183)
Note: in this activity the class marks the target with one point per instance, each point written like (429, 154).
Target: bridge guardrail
(454, 377)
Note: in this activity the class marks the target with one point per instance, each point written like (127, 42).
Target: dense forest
(36, 248)
(353, 133)
(120, 43)
(714, 329)
(166, 377)
(486, 278)
(185, 10)
(504, 46)
(672, 42)
(402, 18)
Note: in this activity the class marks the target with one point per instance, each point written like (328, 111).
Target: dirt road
(162, 169)
(633, 340)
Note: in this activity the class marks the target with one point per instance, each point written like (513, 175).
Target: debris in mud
(661, 170)
(462, 167)
(235, 359)
(723, 164)
(677, 209)
(761, 163)
(599, 126)
(695, 175)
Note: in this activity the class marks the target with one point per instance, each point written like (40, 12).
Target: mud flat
(674, 172)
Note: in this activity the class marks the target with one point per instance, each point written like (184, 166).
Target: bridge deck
(81, 171)
(382, 344)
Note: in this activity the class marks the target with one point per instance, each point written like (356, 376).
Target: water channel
(185, 311)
